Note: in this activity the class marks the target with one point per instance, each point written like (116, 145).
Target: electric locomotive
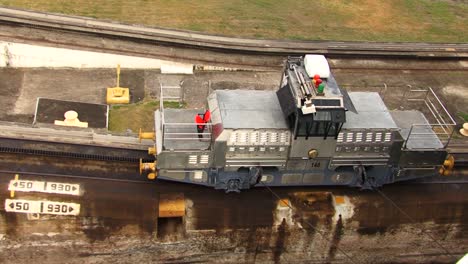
(309, 132)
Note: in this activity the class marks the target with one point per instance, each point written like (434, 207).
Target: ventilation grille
(364, 137)
(198, 159)
(259, 138)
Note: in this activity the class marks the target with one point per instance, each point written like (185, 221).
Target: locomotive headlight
(313, 153)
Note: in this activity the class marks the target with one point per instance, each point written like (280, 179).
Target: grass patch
(358, 20)
(136, 116)
(464, 116)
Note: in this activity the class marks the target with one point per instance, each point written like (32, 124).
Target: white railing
(181, 134)
(171, 128)
(441, 124)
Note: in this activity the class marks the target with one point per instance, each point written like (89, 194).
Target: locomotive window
(318, 129)
(317, 125)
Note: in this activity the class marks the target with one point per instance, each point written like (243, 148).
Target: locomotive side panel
(257, 147)
(184, 159)
(301, 146)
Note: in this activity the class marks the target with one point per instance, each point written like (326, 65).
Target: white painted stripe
(176, 68)
(26, 55)
(41, 207)
(44, 187)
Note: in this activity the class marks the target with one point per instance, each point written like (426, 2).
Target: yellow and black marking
(447, 168)
(12, 192)
(148, 168)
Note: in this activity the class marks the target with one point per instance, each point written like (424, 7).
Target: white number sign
(46, 187)
(22, 206)
(41, 207)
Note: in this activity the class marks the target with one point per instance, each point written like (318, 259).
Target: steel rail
(62, 154)
(228, 44)
(89, 156)
(110, 176)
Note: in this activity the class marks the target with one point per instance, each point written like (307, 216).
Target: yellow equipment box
(118, 95)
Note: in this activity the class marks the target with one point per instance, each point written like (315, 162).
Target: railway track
(199, 49)
(96, 166)
(461, 177)
(74, 151)
(43, 147)
(70, 167)
(174, 38)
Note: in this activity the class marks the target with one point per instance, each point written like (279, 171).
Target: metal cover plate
(405, 119)
(371, 112)
(250, 109)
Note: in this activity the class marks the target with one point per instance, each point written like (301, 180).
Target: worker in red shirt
(201, 120)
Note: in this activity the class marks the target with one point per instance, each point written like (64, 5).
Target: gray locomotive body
(298, 136)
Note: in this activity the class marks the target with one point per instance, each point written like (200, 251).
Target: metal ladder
(170, 93)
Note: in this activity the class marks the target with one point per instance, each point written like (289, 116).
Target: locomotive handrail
(444, 138)
(175, 133)
(442, 120)
(188, 124)
(185, 136)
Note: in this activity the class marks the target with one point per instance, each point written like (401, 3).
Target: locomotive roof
(244, 109)
(371, 112)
